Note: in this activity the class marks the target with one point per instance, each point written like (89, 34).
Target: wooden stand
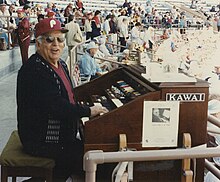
(187, 174)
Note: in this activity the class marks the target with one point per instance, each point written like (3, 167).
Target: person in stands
(48, 116)
(136, 33)
(79, 5)
(74, 30)
(96, 24)
(23, 34)
(6, 26)
(88, 25)
(88, 66)
(123, 34)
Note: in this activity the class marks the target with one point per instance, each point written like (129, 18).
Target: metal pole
(71, 69)
(72, 60)
(212, 168)
(8, 30)
(214, 120)
(154, 155)
(91, 176)
(90, 162)
(92, 158)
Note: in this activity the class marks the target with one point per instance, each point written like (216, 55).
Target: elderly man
(88, 66)
(48, 116)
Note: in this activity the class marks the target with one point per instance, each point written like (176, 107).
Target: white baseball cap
(92, 45)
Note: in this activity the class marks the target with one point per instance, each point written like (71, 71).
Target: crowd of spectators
(104, 22)
(132, 23)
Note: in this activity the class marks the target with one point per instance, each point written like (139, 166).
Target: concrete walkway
(8, 120)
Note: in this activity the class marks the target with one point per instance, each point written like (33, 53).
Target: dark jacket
(23, 2)
(96, 31)
(45, 114)
(113, 26)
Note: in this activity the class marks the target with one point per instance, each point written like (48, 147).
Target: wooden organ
(123, 92)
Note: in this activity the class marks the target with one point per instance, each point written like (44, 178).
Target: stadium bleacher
(160, 5)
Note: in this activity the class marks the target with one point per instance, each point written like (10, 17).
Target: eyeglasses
(50, 39)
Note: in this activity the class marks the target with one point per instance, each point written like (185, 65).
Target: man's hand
(95, 110)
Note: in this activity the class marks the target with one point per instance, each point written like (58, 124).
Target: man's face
(156, 112)
(89, 16)
(3, 8)
(93, 51)
(12, 8)
(52, 46)
(20, 14)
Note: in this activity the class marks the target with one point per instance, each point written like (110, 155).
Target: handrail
(109, 60)
(104, 59)
(3, 16)
(208, 165)
(57, 2)
(116, 45)
(93, 158)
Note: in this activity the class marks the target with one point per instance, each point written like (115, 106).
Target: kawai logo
(186, 97)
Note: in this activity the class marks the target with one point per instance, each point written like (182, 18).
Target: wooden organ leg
(187, 174)
(122, 142)
(121, 174)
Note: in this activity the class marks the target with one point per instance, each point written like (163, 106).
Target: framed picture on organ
(160, 123)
